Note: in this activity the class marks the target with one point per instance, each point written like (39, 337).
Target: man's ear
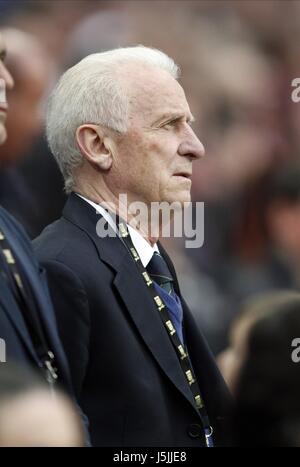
(94, 146)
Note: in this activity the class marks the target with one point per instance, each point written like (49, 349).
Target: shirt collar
(143, 248)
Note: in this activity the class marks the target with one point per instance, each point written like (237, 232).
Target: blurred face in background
(29, 64)
(231, 360)
(36, 419)
(283, 220)
(6, 83)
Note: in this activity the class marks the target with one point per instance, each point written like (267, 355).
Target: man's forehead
(142, 76)
(164, 104)
(155, 91)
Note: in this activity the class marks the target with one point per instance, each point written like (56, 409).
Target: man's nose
(6, 76)
(191, 146)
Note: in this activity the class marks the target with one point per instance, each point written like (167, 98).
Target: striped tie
(160, 273)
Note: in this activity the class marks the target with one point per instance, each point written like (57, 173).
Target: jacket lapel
(36, 279)
(133, 292)
(138, 301)
(38, 283)
(12, 311)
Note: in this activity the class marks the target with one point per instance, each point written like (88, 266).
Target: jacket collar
(36, 279)
(132, 289)
(9, 306)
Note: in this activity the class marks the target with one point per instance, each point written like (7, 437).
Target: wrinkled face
(6, 82)
(153, 160)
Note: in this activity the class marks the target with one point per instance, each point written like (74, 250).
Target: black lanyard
(46, 356)
(180, 348)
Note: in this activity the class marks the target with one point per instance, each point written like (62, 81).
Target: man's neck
(113, 204)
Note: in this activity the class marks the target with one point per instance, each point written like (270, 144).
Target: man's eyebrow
(175, 116)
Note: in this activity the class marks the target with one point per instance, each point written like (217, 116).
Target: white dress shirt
(143, 248)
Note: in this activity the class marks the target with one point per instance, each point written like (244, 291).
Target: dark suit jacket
(13, 330)
(125, 371)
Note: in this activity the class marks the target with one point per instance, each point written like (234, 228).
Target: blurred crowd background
(238, 60)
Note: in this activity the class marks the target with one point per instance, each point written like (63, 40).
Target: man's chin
(181, 198)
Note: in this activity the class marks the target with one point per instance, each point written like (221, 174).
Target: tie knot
(158, 270)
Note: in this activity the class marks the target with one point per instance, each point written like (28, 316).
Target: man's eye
(169, 125)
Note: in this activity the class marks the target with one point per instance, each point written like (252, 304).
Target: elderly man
(119, 124)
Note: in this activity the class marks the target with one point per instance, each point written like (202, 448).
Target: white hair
(91, 92)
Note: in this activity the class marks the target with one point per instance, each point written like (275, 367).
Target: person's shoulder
(7, 218)
(59, 239)
(9, 223)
